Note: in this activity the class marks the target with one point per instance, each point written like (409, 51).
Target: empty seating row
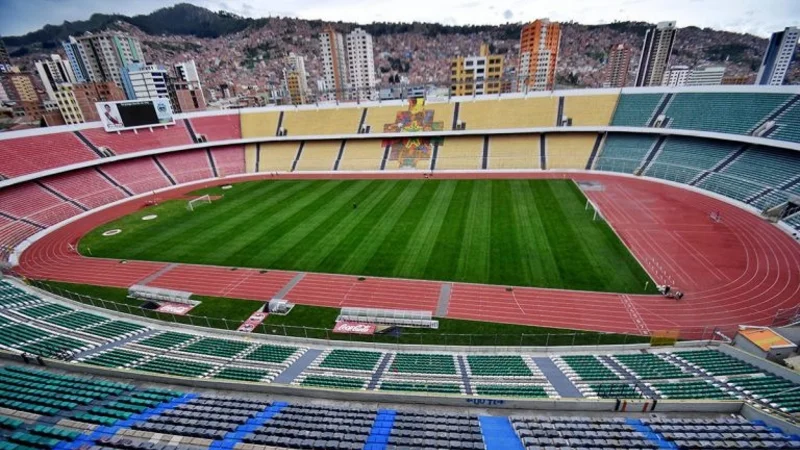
(724, 112)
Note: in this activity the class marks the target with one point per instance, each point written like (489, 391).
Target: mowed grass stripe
(447, 246)
(505, 245)
(531, 243)
(542, 260)
(474, 258)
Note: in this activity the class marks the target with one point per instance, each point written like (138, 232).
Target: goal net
(195, 202)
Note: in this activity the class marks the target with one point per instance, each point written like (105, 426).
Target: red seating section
(218, 128)
(12, 232)
(86, 187)
(187, 166)
(129, 141)
(228, 160)
(32, 154)
(30, 201)
(137, 175)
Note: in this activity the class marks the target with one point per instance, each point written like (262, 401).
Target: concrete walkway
(556, 377)
(291, 284)
(296, 368)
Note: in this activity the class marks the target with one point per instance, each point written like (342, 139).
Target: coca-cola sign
(354, 328)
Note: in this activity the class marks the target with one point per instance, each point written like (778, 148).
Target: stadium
(564, 269)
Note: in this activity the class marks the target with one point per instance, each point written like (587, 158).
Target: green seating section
(716, 363)
(498, 366)
(45, 310)
(511, 390)
(351, 360)
(733, 187)
(10, 423)
(334, 382)
(17, 334)
(423, 363)
(650, 367)
(32, 441)
(115, 358)
(681, 159)
(54, 432)
(77, 320)
(271, 353)
(166, 340)
(700, 390)
(115, 329)
(5, 321)
(46, 393)
(221, 348)
(126, 406)
(54, 345)
(769, 167)
(772, 389)
(242, 374)
(589, 368)
(624, 152)
(788, 125)
(634, 110)
(725, 112)
(179, 367)
(615, 390)
(434, 388)
(13, 296)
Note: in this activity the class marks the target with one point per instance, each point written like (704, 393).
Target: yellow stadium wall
(509, 113)
(586, 110)
(362, 155)
(322, 121)
(319, 155)
(520, 151)
(278, 156)
(460, 153)
(569, 151)
(259, 124)
(250, 158)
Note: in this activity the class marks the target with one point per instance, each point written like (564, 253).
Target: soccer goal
(195, 202)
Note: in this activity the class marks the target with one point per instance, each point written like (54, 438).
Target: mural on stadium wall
(411, 152)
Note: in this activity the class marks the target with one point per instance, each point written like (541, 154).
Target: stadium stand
(732, 187)
(699, 390)
(251, 158)
(318, 155)
(24, 155)
(714, 363)
(228, 160)
(788, 124)
(609, 390)
(278, 156)
(361, 155)
(765, 166)
(635, 110)
(569, 151)
(735, 113)
(313, 122)
(138, 175)
(624, 152)
(460, 153)
(86, 187)
(682, 159)
(187, 166)
(138, 140)
(587, 110)
(218, 128)
(32, 202)
(259, 124)
(648, 366)
(379, 116)
(585, 367)
(509, 113)
(514, 152)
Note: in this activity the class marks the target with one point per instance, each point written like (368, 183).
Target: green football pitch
(509, 232)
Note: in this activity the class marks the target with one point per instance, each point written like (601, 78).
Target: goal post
(195, 202)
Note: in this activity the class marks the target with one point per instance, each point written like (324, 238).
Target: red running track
(739, 271)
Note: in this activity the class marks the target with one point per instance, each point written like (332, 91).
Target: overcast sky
(760, 17)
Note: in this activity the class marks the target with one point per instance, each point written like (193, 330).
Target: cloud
(508, 15)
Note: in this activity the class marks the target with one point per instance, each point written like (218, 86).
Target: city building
(76, 102)
(5, 60)
(738, 79)
(361, 66)
(676, 76)
(52, 72)
(476, 75)
(101, 57)
(656, 53)
(20, 90)
(539, 44)
(185, 90)
(334, 64)
(780, 51)
(145, 81)
(706, 76)
(295, 79)
(616, 70)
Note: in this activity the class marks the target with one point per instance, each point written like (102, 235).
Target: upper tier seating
(217, 128)
(187, 165)
(624, 152)
(788, 125)
(139, 140)
(311, 122)
(585, 110)
(735, 113)
(506, 113)
(86, 187)
(24, 155)
(635, 110)
(229, 160)
(138, 175)
(257, 124)
(32, 202)
(682, 159)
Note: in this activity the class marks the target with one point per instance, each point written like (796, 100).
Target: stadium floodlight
(195, 202)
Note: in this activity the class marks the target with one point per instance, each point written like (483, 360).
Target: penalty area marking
(113, 232)
(150, 217)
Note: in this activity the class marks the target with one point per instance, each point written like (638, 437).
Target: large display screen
(117, 116)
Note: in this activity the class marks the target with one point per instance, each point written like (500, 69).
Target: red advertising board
(251, 323)
(179, 309)
(354, 328)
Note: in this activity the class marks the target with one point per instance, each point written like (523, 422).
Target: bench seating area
(624, 152)
(682, 159)
(635, 110)
(724, 112)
